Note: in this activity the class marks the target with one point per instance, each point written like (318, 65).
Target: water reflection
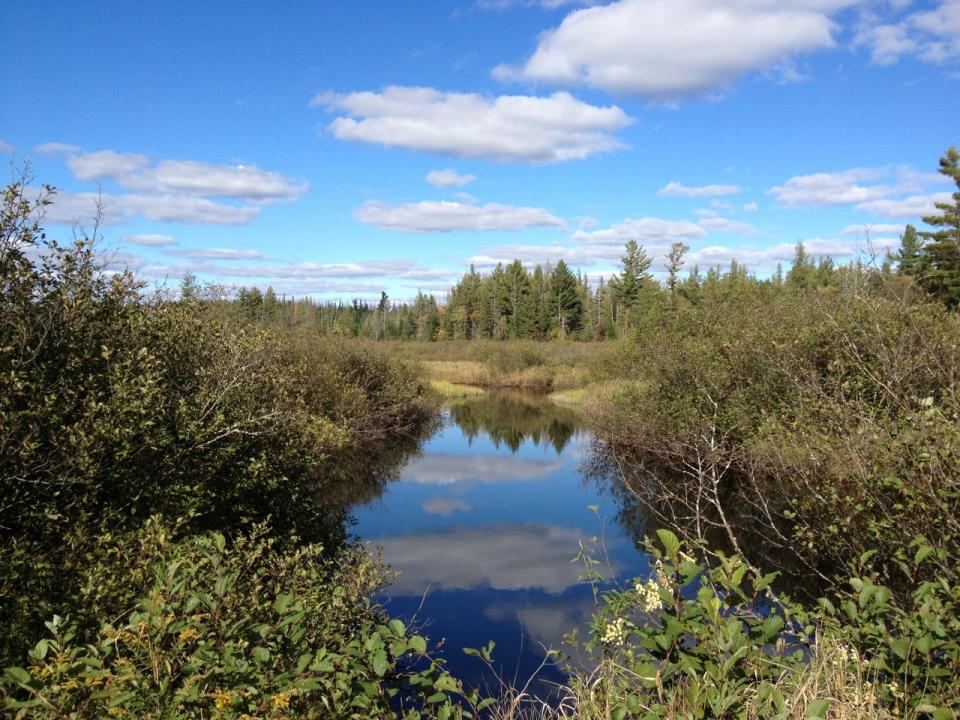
(512, 418)
(482, 527)
(501, 557)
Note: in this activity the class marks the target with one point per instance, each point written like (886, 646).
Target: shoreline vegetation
(172, 521)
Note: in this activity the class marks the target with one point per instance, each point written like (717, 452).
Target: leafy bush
(699, 641)
(235, 630)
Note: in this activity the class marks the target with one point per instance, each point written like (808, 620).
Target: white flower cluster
(615, 633)
(649, 591)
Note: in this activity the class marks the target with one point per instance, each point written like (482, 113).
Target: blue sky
(339, 148)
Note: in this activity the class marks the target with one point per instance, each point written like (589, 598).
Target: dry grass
(451, 391)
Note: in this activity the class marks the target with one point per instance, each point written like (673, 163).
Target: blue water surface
(482, 529)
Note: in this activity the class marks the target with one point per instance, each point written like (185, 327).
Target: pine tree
(627, 285)
(910, 256)
(801, 274)
(942, 252)
(674, 263)
(564, 300)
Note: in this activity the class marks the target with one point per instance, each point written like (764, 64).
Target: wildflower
(187, 635)
(281, 700)
(615, 633)
(222, 699)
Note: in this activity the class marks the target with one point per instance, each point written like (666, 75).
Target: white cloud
(915, 206)
(448, 178)
(216, 254)
(835, 188)
(932, 35)
(6, 147)
(135, 172)
(674, 48)
(724, 225)
(643, 230)
(764, 259)
(878, 228)
(484, 557)
(82, 207)
(529, 255)
(149, 240)
(751, 207)
(508, 128)
(445, 507)
(675, 189)
(445, 216)
(55, 148)
(309, 271)
(448, 469)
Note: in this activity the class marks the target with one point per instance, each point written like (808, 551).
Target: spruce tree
(565, 305)
(627, 285)
(910, 256)
(942, 251)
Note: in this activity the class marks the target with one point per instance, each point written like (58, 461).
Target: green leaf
(817, 709)
(380, 662)
(670, 542)
(18, 675)
(419, 644)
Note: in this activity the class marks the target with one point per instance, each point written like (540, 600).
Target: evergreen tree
(627, 285)
(674, 263)
(801, 274)
(910, 256)
(942, 252)
(566, 310)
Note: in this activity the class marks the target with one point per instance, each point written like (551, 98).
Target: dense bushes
(708, 641)
(815, 433)
(170, 486)
(825, 421)
(231, 630)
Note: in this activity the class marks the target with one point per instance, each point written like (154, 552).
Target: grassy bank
(543, 367)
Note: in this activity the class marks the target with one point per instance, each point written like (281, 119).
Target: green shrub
(241, 629)
(699, 641)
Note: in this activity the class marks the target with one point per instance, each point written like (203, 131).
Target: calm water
(482, 528)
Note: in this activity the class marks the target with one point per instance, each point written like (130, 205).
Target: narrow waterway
(483, 528)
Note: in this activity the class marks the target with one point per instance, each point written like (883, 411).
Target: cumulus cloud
(149, 240)
(135, 172)
(878, 228)
(725, 225)
(765, 258)
(484, 557)
(529, 255)
(643, 230)
(216, 254)
(445, 507)
(449, 469)
(82, 207)
(751, 207)
(831, 188)
(675, 48)
(914, 206)
(508, 128)
(675, 189)
(6, 147)
(446, 216)
(448, 178)
(932, 35)
(56, 148)
(303, 271)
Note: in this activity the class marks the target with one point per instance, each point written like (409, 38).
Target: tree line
(552, 301)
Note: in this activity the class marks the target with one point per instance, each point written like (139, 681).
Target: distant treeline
(512, 302)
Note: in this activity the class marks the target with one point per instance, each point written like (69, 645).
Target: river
(483, 526)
